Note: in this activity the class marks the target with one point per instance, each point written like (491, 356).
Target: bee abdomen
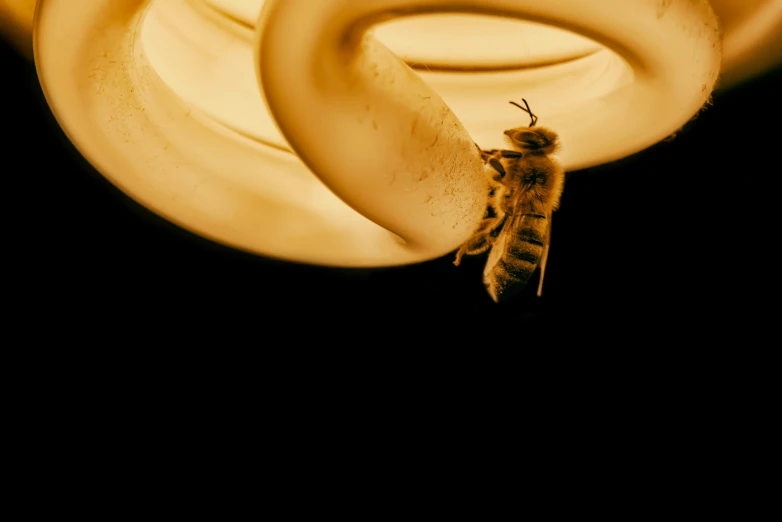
(520, 259)
(509, 276)
(533, 228)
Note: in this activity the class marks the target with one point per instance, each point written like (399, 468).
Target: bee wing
(501, 243)
(544, 257)
(498, 248)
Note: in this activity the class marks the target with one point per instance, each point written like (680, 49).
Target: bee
(524, 189)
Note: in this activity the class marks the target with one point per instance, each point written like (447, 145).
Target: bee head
(530, 139)
(537, 139)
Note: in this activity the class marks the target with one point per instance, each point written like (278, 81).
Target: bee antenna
(532, 117)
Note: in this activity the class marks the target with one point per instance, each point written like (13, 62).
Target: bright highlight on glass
(167, 105)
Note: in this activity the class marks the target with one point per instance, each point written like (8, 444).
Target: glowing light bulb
(16, 23)
(179, 122)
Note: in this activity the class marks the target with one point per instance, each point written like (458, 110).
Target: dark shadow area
(669, 242)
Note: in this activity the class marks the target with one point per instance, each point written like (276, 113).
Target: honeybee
(525, 187)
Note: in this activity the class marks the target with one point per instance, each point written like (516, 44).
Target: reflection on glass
(202, 52)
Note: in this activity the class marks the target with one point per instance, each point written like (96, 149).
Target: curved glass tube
(165, 102)
(16, 24)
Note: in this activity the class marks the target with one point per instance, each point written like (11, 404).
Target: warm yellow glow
(751, 29)
(479, 42)
(753, 37)
(16, 23)
(163, 98)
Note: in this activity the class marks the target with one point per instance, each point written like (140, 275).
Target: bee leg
(477, 244)
(498, 200)
(496, 165)
(491, 158)
(481, 240)
(496, 210)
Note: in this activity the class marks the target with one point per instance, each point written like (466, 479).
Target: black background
(674, 241)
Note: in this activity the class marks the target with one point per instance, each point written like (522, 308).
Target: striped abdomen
(516, 254)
